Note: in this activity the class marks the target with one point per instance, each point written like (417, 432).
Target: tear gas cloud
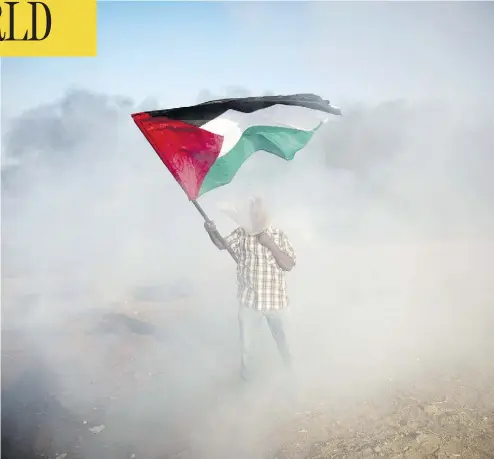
(390, 211)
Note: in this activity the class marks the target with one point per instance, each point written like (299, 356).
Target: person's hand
(210, 226)
(264, 239)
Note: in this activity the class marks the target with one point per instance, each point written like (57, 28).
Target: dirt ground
(445, 417)
(109, 384)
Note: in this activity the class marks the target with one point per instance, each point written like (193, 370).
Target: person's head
(258, 215)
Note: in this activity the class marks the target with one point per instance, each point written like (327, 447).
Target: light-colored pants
(250, 321)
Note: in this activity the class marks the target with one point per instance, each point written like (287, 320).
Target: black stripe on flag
(200, 114)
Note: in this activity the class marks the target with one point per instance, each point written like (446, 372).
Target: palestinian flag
(204, 145)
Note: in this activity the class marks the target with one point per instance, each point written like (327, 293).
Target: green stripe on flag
(280, 141)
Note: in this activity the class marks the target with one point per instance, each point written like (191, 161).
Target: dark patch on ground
(119, 323)
(33, 420)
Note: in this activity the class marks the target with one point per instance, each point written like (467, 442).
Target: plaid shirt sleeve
(233, 240)
(286, 247)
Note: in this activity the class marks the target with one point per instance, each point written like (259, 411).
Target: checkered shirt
(261, 282)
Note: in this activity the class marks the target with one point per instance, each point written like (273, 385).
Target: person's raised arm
(218, 241)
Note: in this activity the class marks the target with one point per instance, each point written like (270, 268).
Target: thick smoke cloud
(390, 211)
(93, 227)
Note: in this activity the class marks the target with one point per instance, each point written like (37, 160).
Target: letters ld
(10, 13)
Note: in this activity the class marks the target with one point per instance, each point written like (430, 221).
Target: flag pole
(207, 219)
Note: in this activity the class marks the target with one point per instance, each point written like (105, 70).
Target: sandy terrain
(127, 379)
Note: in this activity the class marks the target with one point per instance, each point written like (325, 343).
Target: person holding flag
(203, 146)
(264, 255)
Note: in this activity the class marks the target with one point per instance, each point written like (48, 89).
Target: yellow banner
(48, 28)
